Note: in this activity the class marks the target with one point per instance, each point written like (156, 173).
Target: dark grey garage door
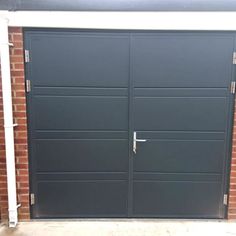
(129, 124)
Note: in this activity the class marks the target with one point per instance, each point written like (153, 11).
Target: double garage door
(129, 124)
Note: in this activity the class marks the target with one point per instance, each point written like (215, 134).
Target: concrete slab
(121, 228)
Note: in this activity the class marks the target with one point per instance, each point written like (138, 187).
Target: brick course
(21, 145)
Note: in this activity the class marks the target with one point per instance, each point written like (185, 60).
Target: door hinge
(225, 200)
(234, 58)
(232, 87)
(28, 86)
(27, 57)
(32, 199)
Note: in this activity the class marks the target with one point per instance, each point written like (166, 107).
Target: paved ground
(122, 228)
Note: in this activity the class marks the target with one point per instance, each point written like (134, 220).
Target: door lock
(135, 140)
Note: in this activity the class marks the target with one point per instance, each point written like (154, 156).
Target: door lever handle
(141, 140)
(135, 140)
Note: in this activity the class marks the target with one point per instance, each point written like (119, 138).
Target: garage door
(129, 124)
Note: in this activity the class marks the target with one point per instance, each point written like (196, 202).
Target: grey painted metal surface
(90, 92)
(119, 5)
(180, 174)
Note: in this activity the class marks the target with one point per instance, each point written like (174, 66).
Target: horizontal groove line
(103, 96)
(80, 139)
(92, 180)
(199, 181)
(204, 88)
(181, 173)
(86, 33)
(80, 87)
(120, 172)
(180, 140)
(81, 217)
(178, 131)
(87, 131)
(82, 172)
(177, 97)
(147, 131)
(148, 139)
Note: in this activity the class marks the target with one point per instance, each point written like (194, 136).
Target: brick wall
(19, 109)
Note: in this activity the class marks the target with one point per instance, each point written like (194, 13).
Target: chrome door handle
(135, 140)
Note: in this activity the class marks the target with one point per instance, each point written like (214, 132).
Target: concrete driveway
(121, 228)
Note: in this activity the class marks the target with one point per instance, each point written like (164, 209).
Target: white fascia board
(124, 20)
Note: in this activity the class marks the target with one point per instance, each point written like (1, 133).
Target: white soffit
(124, 20)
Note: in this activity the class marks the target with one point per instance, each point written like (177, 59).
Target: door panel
(79, 59)
(82, 198)
(79, 123)
(182, 60)
(91, 113)
(177, 199)
(181, 156)
(180, 113)
(180, 107)
(94, 155)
